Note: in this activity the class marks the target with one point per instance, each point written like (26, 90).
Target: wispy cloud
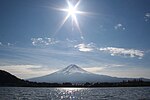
(119, 27)
(98, 69)
(118, 70)
(6, 44)
(85, 47)
(43, 41)
(127, 71)
(1, 44)
(28, 71)
(123, 52)
(114, 51)
(94, 69)
(147, 17)
(10, 44)
(72, 41)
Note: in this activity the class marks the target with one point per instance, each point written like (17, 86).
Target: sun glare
(71, 89)
(71, 12)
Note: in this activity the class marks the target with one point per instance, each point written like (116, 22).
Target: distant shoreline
(23, 83)
(75, 87)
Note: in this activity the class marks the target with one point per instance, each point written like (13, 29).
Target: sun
(72, 13)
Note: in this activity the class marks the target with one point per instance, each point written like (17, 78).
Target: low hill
(7, 79)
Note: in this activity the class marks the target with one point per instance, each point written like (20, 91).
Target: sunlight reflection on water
(71, 89)
(115, 93)
(69, 93)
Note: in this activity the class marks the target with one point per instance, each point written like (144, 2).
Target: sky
(108, 37)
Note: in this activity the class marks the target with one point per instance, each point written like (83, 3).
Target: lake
(113, 93)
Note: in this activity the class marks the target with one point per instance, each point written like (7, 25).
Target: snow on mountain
(75, 74)
(71, 69)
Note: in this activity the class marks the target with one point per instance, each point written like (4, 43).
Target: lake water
(115, 93)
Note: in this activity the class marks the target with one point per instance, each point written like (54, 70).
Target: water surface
(115, 93)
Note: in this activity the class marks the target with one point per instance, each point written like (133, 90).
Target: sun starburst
(72, 12)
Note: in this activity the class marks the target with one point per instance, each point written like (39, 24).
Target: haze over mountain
(7, 79)
(75, 74)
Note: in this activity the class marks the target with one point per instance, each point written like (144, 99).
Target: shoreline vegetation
(22, 83)
(7, 79)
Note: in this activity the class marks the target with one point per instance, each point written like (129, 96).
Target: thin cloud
(1, 44)
(29, 71)
(43, 41)
(114, 51)
(7, 44)
(85, 47)
(147, 17)
(119, 27)
(10, 44)
(99, 69)
(72, 41)
(94, 69)
(123, 52)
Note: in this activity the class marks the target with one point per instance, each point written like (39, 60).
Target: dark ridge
(9, 79)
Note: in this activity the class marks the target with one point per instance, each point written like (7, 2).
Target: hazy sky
(110, 37)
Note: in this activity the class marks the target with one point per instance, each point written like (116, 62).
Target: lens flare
(72, 12)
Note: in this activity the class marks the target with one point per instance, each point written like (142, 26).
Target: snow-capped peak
(72, 69)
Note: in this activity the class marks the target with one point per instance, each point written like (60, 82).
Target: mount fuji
(75, 74)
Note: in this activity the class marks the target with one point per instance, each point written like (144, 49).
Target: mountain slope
(75, 74)
(7, 79)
